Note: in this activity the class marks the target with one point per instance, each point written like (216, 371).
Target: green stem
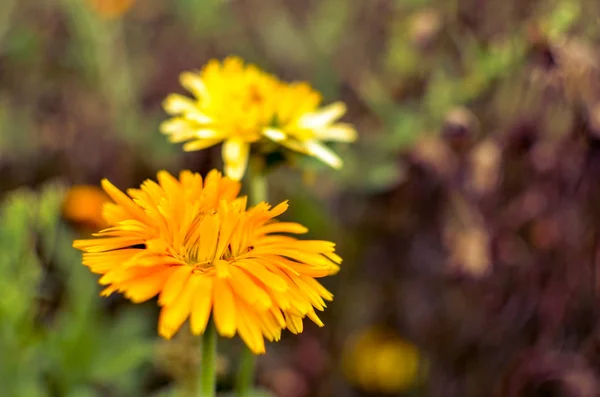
(257, 193)
(208, 367)
(245, 375)
(257, 182)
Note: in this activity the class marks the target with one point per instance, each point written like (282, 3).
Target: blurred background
(467, 213)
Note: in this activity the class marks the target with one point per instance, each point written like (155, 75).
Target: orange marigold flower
(195, 244)
(82, 205)
(110, 9)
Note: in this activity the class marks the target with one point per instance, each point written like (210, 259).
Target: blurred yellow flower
(82, 205)
(195, 244)
(379, 361)
(300, 125)
(239, 104)
(110, 9)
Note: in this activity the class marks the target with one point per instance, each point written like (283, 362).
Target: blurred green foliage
(56, 338)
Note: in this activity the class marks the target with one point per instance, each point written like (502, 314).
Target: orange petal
(175, 314)
(224, 308)
(124, 201)
(202, 304)
(174, 284)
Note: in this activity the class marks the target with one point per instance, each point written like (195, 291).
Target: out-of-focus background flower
(467, 211)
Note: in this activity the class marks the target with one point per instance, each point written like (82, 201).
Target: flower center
(255, 96)
(189, 255)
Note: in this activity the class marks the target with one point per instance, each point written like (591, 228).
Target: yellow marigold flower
(238, 104)
(300, 125)
(195, 244)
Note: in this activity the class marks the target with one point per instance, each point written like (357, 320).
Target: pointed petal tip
(338, 165)
(163, 174)
(274, 134)
(105, 183)
(226, 333)
(166, 127)
(164, 333)
(235, 173)
(186, 76)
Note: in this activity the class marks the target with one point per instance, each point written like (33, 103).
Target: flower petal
(202, 304)
(323, 153)
(249, 328)
(275, 134)
(200, 144)
(141, 290)
(175, 314)
(124, 201)
(193, 83)
(174, 285)
(177, 104)
(322, 117)
(340, 132)
(235, 156)
(224, 308)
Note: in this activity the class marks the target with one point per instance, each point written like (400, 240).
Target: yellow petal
(108, 291)
(176, 125)
(209, 234)
(340, 132)
(113, 213)
(325, 294)
(313, 316)
(249, 329)
(122, 275)
(235, 156)
(184, 131)
(283, 227)
(200, 144)
(255, 268)
(202, 305)
(193, 83)
(101, 262)
(278, 209)
(222, 268)
(168, 182)
(229, 222)
(311, 294)
(233, 149)
(200, 134)
(270, 324)
(249, 290)
(323, 117)
(141, 290)
(275, 134)
(173, 285)
(323, 153)
(278, 317)
(174, 315)
(106, 244)
(334, 257)
(224, 308)
(294, 323)
(124, 201)
(198, 117)
(177, 104)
